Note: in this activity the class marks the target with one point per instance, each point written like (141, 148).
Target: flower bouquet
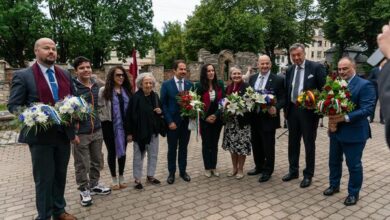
(38, 117)
(334, 100)
(308, 99)
(232, 105)
(192, 107)
(269, 100)
(252, 99)
(73, 108)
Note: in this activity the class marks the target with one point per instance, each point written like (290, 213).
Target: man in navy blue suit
(352, 132)
(374, 78)
(178, 134)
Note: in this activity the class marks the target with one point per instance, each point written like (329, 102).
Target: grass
(3, 107)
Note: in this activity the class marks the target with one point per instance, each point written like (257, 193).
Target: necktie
(261, 83)
(180, 82)
(296, 84)
(53, 84)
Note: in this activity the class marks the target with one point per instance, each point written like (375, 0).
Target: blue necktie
(53, 84)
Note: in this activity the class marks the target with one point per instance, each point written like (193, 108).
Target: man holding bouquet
(349, 133)
(178, 134)
(50, 149)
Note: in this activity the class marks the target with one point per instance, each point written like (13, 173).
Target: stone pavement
(212, 198)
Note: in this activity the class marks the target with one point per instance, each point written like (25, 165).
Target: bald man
(264, 124)
(50, 150)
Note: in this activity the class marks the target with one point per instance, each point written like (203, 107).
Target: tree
(171, 44)
(21, 24)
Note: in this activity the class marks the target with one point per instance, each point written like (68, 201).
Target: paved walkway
(212, 198)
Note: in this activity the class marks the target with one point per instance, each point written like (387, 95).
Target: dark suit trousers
(50, 163)
(263, 146)
(302, 123)
(353, 156)
(179, 137)
(210, 136)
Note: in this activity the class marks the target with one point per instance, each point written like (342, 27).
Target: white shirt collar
(44, 68)
(177, 80)
(302, 65)
(265, 76)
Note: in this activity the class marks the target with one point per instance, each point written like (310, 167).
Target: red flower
(329, 96)
(332, 111)
(327, 103)
(347, 94)
(327, 88)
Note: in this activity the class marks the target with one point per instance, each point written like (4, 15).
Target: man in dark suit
(264, 125)
(352, 132)
(303, 75)
(384, 80)
(50, 150)
(374, 78)
(178, 134)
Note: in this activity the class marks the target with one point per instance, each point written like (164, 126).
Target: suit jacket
(384, 97)
(214, 106)
(24, 93)
(265, 121)
(315, 77)
(358, 128)
(169, 102)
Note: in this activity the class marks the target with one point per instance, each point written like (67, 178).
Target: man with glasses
(352, 132)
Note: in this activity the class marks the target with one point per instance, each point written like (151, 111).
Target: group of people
(121, 116)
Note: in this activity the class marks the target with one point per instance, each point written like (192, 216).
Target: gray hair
(141, 77)
(234, 68)
(296, 46)
(349, 59)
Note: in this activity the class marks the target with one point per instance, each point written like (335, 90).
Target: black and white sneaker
(85, 197)
(100, 190)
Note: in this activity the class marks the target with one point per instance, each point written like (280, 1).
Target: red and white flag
(133, 69)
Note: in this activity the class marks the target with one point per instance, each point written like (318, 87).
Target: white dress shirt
(301, 79)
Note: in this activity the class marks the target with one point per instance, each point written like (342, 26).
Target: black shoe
(185, 177)
(264, 178)
(253, 172)
(138, 186)
(351, 200)
(153, 181)
(289, 177)
(171, 178)
(306, 182)
(331, 190)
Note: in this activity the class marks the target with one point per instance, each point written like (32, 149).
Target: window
(312, 54)
(319, 54)
(325, 43)
(283, 58)
(312, 43)
(319, 43)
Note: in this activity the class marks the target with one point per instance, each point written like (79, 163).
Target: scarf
(119, 107)
(43, 89)
(231, 88)
(206, 98)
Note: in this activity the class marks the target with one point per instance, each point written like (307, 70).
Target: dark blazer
(264, 120)
(213, 108)
(358, 129)
(24, 93)
(170, 106)
(384, 97)
(315, 77)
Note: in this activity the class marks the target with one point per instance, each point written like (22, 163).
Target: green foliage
(21, 23)
(3, 107)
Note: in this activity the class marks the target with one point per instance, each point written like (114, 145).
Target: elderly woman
(236, 138)
(113, 101)
(143, 125)
(211, 92)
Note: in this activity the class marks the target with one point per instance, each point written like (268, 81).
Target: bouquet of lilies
(73, 108)
(252, 99)
(38, 117)
(192, 107)
(232, 105)
(269, 100)
(308, 99)
(335, 98)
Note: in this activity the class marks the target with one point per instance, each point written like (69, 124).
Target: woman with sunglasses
(114, 98)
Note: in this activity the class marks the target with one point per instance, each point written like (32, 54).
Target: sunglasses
(119, 75)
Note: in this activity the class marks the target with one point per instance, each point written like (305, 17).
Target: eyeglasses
(119, 75)
(343, 69)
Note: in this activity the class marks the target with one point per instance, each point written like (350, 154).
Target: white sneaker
(207, 173)
(85, 197)
(100, 190)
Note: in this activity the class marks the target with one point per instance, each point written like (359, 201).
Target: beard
(48, 62)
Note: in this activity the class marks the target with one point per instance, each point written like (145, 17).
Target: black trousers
(109, 141)
(302, 123)
(210, 136)
(50, 163)
(263, 146)
(178, 138)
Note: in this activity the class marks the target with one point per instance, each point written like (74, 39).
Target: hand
(172, 126)
(129, 138)
(157, 110)
(211, 119)
(383, 40)
(334, 119)
(76, 140)
(272, 111)
(332, 127)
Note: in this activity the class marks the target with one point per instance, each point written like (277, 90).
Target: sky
(172, 10)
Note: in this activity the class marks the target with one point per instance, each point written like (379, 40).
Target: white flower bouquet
(73, 108)
(252, 99)
(232, 105)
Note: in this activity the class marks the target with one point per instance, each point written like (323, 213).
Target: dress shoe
(171, 178)
(306, 182)
(331, 190)
(253, 172)
(239, 176)
(264, 178)
(207, 173)
(215, 172)
(66, 216)
(351, 200)
(185, 177)
(289, 177)
(232, 173)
